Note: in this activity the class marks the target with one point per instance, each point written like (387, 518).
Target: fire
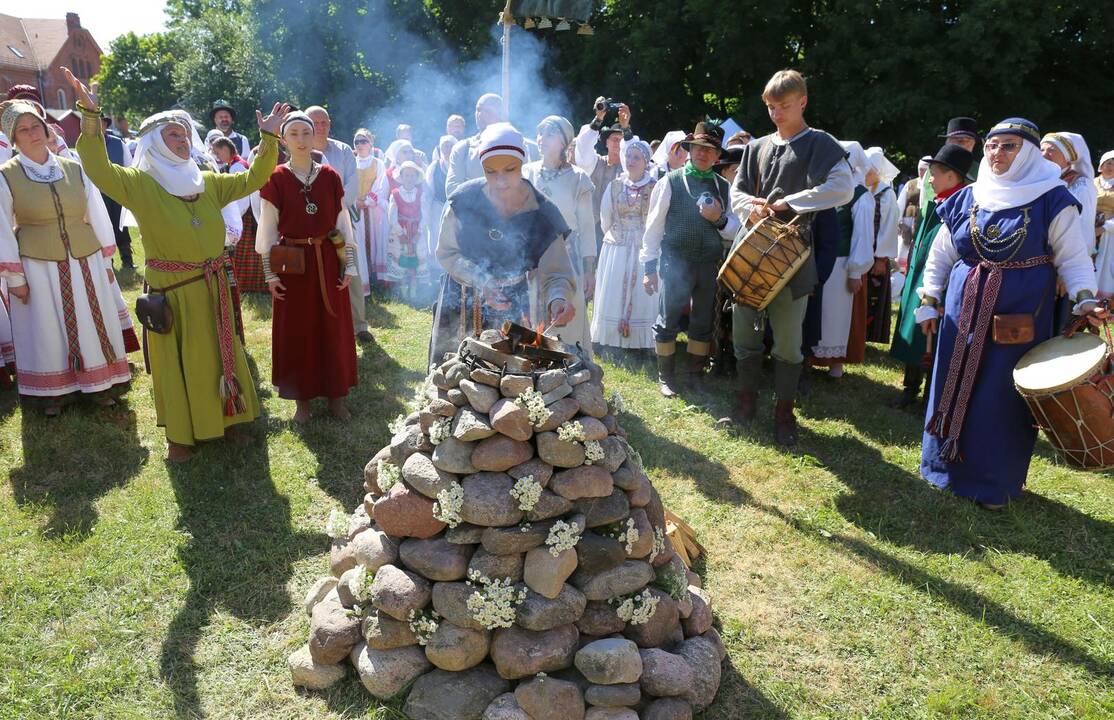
(538, 332)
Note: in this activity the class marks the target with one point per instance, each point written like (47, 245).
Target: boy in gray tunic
(794, 171)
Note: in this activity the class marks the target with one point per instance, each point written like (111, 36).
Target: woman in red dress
(313, 351)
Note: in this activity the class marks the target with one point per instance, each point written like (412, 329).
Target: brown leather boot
(667, 380)
(785, 423)
(746, 407)
(694, 371)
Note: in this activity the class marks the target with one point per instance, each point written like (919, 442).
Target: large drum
(763, 262)
(1067, 383)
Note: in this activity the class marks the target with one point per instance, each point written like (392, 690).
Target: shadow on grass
(72, 460)
(899, 508)
(343, 449)
(739, 698)
(238, 558)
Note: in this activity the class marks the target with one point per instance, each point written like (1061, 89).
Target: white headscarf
(661, 155)
(886, 170)
(1075, 151)
(638, 146)
(502, 139)
(1108, 155)
(178, 176)
(856, 156)
(1028, 178)
(394, 148)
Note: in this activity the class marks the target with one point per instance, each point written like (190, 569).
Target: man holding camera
(602, 168)
(688, 222)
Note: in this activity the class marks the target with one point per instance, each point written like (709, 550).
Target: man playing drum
(687, 225)
(794, 171)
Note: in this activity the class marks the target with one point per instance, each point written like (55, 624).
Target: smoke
(377, 72)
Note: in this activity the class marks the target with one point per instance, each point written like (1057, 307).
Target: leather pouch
(154, 312)
(288, 260)
(1013, 329)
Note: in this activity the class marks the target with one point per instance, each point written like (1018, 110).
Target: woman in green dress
(949, 175)
(202, 384)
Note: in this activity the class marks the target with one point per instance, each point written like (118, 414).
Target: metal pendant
(495, 234)
(311, 208)
(195, 221)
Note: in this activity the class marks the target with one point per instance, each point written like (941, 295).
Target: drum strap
(946, 422)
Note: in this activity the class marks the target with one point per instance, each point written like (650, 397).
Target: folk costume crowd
(611, 243)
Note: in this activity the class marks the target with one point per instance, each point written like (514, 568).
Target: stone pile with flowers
(510, 562)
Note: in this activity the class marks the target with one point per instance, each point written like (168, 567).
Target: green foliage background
(884, 72)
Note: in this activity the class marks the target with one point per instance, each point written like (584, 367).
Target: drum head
(1060, 362)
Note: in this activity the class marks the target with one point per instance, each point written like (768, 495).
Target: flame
(538, 332)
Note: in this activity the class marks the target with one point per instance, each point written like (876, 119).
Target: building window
(15, 51)
(62, 99)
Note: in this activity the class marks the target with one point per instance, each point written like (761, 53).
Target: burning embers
(518, 349)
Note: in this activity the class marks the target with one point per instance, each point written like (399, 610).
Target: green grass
(845, 586)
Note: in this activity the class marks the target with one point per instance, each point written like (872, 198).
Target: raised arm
(229, 187)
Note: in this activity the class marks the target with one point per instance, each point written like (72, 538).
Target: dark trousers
(681, 281)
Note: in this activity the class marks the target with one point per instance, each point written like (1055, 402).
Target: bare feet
(339, 411)
(301, 412)
(176, 453)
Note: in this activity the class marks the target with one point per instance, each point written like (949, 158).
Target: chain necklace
(49, 177)
(993, 242)
(194, 219)
(311, 206)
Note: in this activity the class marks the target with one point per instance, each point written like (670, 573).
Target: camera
(611, 107)
(706, 198)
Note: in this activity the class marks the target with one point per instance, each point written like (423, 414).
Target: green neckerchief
(691, 171)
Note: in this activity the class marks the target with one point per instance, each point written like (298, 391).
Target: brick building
(32, 52)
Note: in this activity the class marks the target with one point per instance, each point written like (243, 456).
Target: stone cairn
(510, 559)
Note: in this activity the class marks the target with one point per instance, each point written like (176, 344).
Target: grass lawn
(845, 586)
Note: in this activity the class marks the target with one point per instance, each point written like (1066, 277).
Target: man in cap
(464, 161)
(222, 117)
(688, 222)
(603, 169)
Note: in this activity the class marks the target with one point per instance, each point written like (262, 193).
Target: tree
(135, 74)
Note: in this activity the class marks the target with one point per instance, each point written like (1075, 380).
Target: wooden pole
(508, 21)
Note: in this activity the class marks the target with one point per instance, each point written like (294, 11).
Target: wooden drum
(1067, 384)
(766, 259)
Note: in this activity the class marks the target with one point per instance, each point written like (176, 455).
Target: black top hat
(962, 127)
(732, 155)
(221, 105)
(954, 158)
(706, 134)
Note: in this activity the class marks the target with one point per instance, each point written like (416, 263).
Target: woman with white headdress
(56, 245)
(1003, 242)
(887, 244)
(371, 208)
(1104, 260)
(843, 314)
(624, 314)
(570, 189)
(202, 384)
(670, 155)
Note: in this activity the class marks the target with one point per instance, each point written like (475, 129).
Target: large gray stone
(550, 505)
(661, 626)
(396, 592)
(582, 482)
(317, 592)
(599, 511)
(593, 428)
(512, 386)
(668, 709)
(499, 453)
(374, 549)
(590, 397)
(454, 456)
(450, 600)
(631, 576)
(488, 500)
(385, 673)
(420, 473)
(505, 707)
(480, 396)
(445, 695)
(641, 547)
(515, 539)
(540, 613)
(470, 425)
(306, 672)
(511, 419)
(550, 380)
(545, 573)
(614, 453)
(624, 695)
(497, 567)
(436, 558)
(611, 661)
(703, 656)
(600, 713)
(559, 453)
(383, 632)
(547, 698)
(407, 442)
(540, 470)
(665, 674)
(560, 413)
(600, 620)
(485, 377)
(455, 648)
(520, 653)
(597, 553)
(465, 534)
(333, 630)
(699, 621)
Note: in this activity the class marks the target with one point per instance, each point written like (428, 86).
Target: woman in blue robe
(1003, 242)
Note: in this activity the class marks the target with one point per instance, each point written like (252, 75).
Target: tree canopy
(884, 73)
